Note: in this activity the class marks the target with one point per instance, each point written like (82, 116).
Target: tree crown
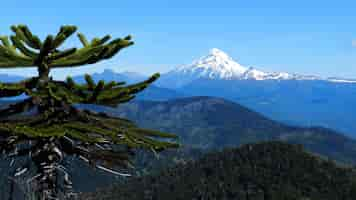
(47, 125)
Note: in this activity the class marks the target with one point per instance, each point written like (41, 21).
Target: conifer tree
(46, 127)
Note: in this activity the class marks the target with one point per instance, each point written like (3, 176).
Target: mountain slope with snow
(219, 65)
(215, 65)
(292, 98)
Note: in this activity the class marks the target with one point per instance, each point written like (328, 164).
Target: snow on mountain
(340, 80)
(215, 65)
(219, 65)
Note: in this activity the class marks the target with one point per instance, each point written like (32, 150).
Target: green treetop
(46, 127)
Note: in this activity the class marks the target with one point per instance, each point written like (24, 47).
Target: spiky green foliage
(46, 126)
(27, 50)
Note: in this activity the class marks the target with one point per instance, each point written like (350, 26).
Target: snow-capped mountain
(215, 65)
(219, 65)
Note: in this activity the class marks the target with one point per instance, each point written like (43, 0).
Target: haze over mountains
(215, 123)
(209, 122)
(292, 98)
(296, 99)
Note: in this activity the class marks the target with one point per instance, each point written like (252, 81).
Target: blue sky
(308, 37)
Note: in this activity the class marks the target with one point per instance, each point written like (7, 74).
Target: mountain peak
(217, 64)
(218, 53)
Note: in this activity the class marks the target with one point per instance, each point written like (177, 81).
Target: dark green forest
(261, 171)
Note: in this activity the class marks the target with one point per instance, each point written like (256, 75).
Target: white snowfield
(219, 65)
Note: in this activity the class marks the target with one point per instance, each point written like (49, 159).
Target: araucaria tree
(46, 126)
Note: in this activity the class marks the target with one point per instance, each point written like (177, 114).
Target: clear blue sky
(309, 37)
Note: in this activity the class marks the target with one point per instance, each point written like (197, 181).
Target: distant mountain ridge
(220, 66)
(210, 123)
(296, 99)
(111, 75)
(153, 92)
(304, 100)
(310, 102)
(8, 78)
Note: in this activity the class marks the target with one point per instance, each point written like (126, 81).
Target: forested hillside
(214, 123)
(263, 171)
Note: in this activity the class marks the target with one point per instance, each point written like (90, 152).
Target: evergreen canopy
(47, 126)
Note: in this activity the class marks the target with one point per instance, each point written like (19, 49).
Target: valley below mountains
(215, 123)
